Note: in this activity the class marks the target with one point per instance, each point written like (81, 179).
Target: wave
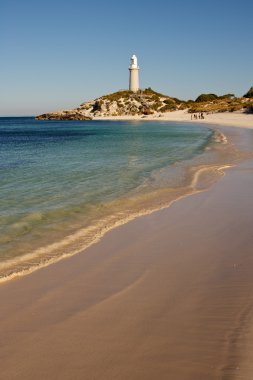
(161, 189)
(84, 238)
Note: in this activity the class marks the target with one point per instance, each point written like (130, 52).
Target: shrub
(249, 94)
(227, 96)
(178, 101)
(149, 91)
(156, 98)
(183, 106)
(168, 108)
(206, 98)
(169, 102)
(235, 107)
(156, 105)
(147, 111)
(117, 95)
(249, 109)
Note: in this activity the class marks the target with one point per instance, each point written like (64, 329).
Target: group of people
(196, 116)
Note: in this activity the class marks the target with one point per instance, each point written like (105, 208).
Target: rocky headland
(149, 102)
(63, 115)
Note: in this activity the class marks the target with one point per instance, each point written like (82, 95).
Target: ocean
(63, 184)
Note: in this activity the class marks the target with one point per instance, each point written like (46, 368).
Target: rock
(64, 115)
(121, 103)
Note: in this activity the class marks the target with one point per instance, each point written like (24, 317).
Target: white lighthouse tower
(134, 75)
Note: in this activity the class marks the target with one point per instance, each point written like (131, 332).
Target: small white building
(134, 75)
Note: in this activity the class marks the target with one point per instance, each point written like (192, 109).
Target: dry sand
(233, 119)
(167, 296)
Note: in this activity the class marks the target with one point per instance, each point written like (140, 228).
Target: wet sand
(166, 296)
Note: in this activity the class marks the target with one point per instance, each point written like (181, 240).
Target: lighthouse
(134, 75)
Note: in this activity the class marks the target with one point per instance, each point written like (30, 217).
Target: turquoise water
(60, 177)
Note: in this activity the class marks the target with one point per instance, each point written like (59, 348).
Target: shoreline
(104, 229)
(80, 240)
(167, 294)
(144, 300)
(231, 119)
(147, 203)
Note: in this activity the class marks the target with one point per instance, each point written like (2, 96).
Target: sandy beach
(167, 296)
(232, 119)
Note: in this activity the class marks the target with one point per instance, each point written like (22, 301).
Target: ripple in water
(63, 183)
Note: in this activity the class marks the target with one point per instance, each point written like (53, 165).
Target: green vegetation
(169, 102)
(215, 103)
(220, 105)
(249, 108)
(227, 96)
(156, 105)
(145, 111)
(206, 98)
(125, 94)
(118, 95)
(178, 101)
(169, 105)
(168, 108)
(183, 106)
(249, 94)
(149, 91)
(148, 101)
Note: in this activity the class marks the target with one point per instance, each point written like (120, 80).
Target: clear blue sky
(56, 54)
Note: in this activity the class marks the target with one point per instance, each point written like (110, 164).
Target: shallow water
(64, 183)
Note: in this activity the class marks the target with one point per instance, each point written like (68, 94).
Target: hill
(148, 102)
